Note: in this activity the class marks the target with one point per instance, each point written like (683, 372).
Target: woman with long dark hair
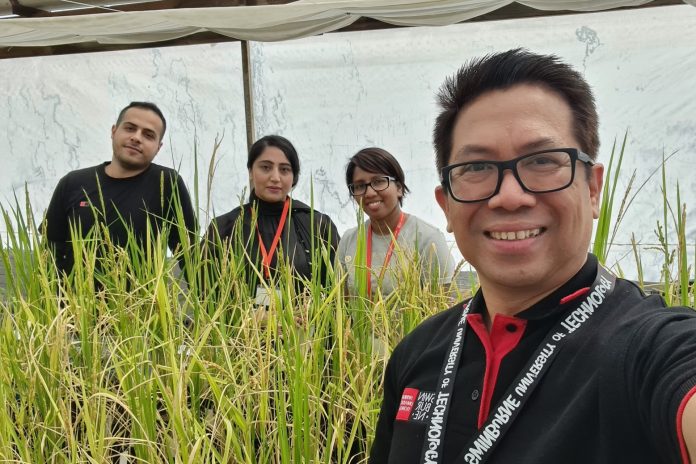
(272, 224)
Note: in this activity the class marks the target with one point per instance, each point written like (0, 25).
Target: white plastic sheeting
(334, 94)
(265, 23)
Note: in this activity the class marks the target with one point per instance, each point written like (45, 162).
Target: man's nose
(511, 194)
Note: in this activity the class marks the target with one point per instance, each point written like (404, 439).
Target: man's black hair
(501, 71)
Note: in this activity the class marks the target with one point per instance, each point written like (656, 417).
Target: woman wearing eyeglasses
(273, 224)
(392, 237)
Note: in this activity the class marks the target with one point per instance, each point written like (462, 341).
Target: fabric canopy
(264, 23)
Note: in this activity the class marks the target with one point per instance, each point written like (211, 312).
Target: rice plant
(127, 360)
(676, 284)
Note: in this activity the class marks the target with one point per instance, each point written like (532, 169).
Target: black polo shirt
(611, 395)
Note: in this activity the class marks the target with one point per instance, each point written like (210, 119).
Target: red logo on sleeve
(83, 204)
(408, 399)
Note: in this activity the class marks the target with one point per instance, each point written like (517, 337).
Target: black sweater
(89, 196)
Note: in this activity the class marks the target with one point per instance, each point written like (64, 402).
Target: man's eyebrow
(480, 150)
(539, 144)
(471, 150)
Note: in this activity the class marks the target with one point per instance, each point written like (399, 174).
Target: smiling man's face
(516, 239)
(136, 140)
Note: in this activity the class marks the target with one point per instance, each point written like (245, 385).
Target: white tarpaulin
(335, 94)
(264, 23)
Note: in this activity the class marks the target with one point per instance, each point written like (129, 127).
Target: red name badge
(408, 399)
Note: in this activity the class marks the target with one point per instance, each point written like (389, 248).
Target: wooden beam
(510, 11)
(24, 11)
(170, 5)
(94, 47)
(517, 11)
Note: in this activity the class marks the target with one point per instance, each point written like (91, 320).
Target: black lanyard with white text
(484, 441)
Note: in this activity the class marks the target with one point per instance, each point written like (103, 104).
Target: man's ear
(596, 181)
(441, 197)
(113, 131)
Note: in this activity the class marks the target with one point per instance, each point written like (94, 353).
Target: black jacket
(304, 230)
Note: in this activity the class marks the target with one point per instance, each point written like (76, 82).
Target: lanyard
(387, 257)
(486, 438)
(267, 255)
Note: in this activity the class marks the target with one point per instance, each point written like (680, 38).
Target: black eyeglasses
(539, 172)
(378, 184)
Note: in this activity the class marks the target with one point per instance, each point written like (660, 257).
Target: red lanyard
(387, 257)
(267, 255)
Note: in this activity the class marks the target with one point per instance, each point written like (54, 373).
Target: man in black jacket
(124, 194)
(554, 359)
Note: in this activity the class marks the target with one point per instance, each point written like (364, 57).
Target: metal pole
(248, 96)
